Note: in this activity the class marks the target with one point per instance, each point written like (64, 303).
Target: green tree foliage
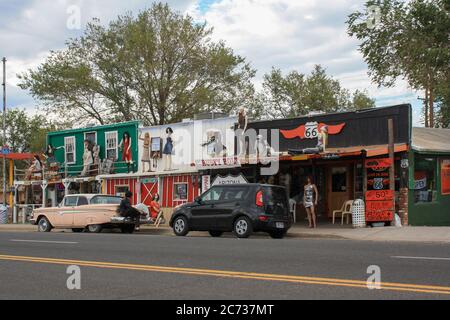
(409, 40)
(296, 94)
(27, 133)
(159, 67)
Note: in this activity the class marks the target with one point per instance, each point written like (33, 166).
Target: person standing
(310, 201)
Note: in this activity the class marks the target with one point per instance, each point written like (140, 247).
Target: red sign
(380, 195)
(379, 216)
(445, 177)
(380, 206)
(300, 132)
(379, 164)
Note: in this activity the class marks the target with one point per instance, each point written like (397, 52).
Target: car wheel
(77, 230)
(243, 228)
(95, 228)
(277, 234)
(216, 234)
(180, 226)
(44, 225)
(128, 229)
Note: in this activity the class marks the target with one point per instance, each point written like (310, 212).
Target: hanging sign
(223, 162)
(380, 195)
(206, 183)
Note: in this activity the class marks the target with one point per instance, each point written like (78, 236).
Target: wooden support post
(392, 157)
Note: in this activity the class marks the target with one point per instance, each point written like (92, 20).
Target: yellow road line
(233, 274)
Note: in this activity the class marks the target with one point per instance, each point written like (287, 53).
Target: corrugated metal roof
(431, 140)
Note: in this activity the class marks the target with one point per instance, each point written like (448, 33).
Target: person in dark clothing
(127, 210)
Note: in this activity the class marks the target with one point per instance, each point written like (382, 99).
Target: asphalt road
(116, 266)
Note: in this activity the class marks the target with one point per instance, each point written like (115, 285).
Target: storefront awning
(19, 156)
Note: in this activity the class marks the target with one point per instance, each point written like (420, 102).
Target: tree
(27, 134)
(410, 41)
(297, 94)
(159, 67)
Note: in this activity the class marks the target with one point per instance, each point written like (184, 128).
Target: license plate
(280, 225)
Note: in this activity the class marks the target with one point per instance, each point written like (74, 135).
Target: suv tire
(243, 227)
(180, 226)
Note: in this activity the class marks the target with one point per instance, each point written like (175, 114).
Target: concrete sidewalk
(387, 234)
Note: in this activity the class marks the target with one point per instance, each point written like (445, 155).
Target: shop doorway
(338, 188)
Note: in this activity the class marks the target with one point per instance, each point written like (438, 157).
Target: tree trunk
(431, 108)
(427, 122)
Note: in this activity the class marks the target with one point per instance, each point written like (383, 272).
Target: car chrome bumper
(127, 220)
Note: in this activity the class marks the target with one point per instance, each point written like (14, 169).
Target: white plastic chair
(346, 210)
(293, 209)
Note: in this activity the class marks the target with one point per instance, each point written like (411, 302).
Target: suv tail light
(259, 199)
(263, 218)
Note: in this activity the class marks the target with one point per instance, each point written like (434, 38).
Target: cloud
(287, 34)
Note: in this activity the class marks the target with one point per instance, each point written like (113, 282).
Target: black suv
(243, 209)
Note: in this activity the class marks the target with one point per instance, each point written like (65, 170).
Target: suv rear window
(276, 201)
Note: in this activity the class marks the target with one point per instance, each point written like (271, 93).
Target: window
(112, 151)
(91, 137)
(339, 179)
(105, 200)
(445, 176)
(82, 201)
(213, 194)
(235, 194)
(424, 179)
(181, 191)
(121, 190)
(70, 151)
(70, 201)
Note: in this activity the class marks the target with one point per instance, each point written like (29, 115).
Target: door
(203, 215)
(338, 188)
(232, 199)
(64, 214)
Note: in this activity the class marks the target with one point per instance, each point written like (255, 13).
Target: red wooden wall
(166, 191)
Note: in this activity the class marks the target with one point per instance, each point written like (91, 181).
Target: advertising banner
(445, 177)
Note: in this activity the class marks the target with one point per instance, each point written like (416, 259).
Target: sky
(287, 34)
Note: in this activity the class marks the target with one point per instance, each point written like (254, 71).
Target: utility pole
(4, 130)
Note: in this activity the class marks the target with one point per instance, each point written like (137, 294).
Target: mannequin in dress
(146, 152)
(168, 150)
(126, 146)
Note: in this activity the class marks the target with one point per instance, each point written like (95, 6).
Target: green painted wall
(437, 212)
(57, 140)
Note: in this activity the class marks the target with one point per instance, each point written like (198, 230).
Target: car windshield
(105, 200)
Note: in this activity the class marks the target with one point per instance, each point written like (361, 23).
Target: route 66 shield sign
(311, 130)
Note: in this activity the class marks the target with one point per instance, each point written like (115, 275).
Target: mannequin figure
(125, 145)
(35, 168)
(88, 158)
(168, 150)
(322, 143)
(146, 152)
(96, 154)
(242, 125)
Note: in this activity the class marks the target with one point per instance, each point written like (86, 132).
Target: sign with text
(380, 195)
(445, 177)
(240, 179)
(376, 164)
(225, 162)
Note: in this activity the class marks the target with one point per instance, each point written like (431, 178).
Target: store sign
(225, 162)
(379, 164)
(149, 180)
(445, 177)
(420, 180)
(311, 130)
(206, 183)
(220, 180)
(382, 195)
